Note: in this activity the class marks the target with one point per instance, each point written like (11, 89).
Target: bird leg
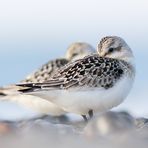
(90, 113)
(85, 118)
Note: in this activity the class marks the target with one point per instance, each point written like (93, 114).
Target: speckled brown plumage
(92, 71)
(45, 72)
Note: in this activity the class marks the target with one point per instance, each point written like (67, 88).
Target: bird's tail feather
(9, 90)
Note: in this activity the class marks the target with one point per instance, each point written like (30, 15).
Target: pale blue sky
(34, 31)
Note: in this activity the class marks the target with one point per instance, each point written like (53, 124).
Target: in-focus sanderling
(95, 83)
(75, 51)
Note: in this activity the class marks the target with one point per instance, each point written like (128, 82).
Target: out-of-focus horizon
(33, 32)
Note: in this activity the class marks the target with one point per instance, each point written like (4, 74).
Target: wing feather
(92, 71)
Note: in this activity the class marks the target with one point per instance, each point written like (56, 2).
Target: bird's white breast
(97, 99)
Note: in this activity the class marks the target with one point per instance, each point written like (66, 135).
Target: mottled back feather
(46, 71)
(92, 71)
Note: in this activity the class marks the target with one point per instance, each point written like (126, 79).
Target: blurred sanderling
(74, 52)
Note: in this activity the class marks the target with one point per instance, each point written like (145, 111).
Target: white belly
(98, 99)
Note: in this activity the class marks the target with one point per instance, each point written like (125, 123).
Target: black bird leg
(85, 118)
(90, 113)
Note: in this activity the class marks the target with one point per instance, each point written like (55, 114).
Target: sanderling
(93, 84)
(75, 51)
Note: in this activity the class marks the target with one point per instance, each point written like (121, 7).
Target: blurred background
(34, 31)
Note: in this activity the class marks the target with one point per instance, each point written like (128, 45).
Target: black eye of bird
(111, 50)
